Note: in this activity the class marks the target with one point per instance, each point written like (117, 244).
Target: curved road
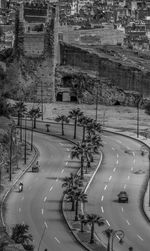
(39, 204)
(123, 168)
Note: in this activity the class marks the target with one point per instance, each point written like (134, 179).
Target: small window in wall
(59, 96)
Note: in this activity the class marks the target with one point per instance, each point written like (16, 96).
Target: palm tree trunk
(72, 208)
(83, 138)
(34, 125)
(76, 212)
(92, 233)
(62, 124)
(82, 163)
(75, 127)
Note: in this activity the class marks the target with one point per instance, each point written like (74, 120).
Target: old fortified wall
(34, 51)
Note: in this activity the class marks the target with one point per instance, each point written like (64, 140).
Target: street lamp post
(25, 141)
(32, 134)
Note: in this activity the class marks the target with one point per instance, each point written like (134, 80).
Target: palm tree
(93, 219)
(20, 235)
(63, 119)
(72, 181)
(82, 221)
(75, 114)
(78, 151)
(71, 195)
(79, 196)
(20, 108)
(95, 140)
(83, 121)
(34, 113)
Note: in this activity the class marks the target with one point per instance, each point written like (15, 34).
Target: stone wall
(126, 77)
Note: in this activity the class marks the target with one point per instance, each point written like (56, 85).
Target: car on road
(35, 167)
(123, 196)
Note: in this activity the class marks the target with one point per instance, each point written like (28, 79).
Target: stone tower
(35, 49)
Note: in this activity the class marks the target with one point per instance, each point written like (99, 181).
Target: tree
(34, 113)
(75, 114)
(5, 107)
(93, 219)
(71, 195)
(83, 121)
(79, 196)
(63, 119)
(20, 235)
(72, 181)
(20, 108)
(78, 151)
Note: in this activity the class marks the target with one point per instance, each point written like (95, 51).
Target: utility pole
(25, 141)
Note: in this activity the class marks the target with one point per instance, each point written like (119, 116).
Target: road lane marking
(56, 179)
(122, 209)
(140, 237)
(19, 209)
(117, 162)
(131, 168)
(110, 178)
(62, 170)
(51, 189)
(66, 163)
(45, 224)
(114, 169)
(128, 222)
(42, 210)
(125, 186)
(102, 198)
(134, 154)
(57, 240)
(128, 177)
(134, 161)
(102, 209)
(108, 223)
(45, 199)
(119, 141)
(105, 187)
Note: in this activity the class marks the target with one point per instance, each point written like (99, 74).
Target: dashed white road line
(45, 199)
(108, 223)
(102, 198)
(105, 187)
(128, 177)
(42, 210)
(62, 170)
(45, 224)
(122, 209)
(57, 240)
(50, 188)
(66, 163)
(114, 169)
(102, 209)
(131, 168)
(128, 222)
(56, 179)
(125, 186)
(134, 161)
(117, 162)
(110, 178)
(140, 237)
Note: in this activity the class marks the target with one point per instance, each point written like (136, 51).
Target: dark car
(35, 168)
(123, 196)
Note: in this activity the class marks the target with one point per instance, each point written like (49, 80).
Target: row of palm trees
(84, 151)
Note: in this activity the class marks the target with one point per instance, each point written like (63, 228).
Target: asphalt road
(123, 168)
(39, 204)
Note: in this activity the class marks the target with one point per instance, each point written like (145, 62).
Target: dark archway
(59, 96)
(73, 99)
(117, 103)
(67, 81)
